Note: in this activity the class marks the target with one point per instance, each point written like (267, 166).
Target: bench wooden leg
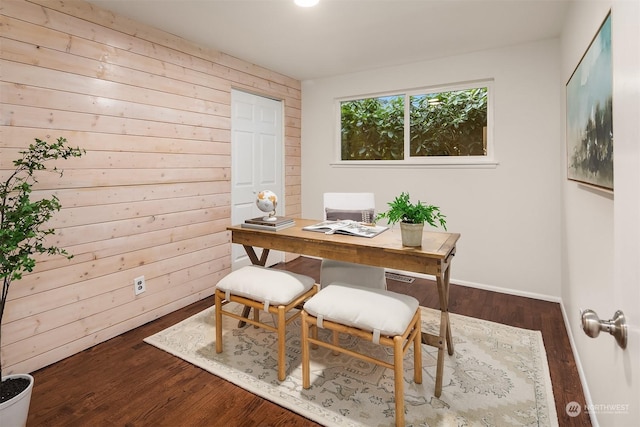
(417, 352)
(282, 327)
(314, 335)
(256, 316)
(306, 382)
(336, 341)
(398, 373)
(218, 305)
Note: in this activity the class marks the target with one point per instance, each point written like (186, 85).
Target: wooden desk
(384, 250)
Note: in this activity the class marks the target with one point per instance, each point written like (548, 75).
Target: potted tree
(23, 235)
(412, 217)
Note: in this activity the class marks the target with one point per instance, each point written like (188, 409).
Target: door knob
(592, 325)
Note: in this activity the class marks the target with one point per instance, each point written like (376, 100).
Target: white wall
(508, 216)
(601, 239)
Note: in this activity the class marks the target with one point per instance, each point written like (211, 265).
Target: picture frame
(589, 120)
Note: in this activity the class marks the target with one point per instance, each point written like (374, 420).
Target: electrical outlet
(139, 285)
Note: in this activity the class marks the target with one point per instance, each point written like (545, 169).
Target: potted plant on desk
(412, 217)
(23, 235)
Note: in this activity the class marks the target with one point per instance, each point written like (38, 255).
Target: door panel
(257, 158)
(268, 158)
(620, 383)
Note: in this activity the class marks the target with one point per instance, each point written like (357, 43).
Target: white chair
(357, 207)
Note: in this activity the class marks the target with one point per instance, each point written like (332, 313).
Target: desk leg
(445, 341)
(254, 258)
(255, 261)
(446, 294)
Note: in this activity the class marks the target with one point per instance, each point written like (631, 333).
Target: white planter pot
(14, 412)
(411, 234)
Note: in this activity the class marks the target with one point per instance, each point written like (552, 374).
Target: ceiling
(344, 36)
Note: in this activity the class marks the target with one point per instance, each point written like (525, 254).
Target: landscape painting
(589, 114)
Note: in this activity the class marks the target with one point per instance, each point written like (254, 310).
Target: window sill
(441, 163)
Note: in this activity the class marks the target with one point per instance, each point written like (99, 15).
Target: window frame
(486, 161)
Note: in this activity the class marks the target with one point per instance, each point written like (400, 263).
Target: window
(444, 126)
(373, 128)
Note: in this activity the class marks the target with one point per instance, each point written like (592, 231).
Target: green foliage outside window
(449, 123)
(441, 124)
(373, 128)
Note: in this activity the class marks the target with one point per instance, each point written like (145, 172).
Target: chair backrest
(348, 202)
(350, 206)
(355, 274)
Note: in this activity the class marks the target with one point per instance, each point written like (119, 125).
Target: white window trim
(471, 163)
(485, 162)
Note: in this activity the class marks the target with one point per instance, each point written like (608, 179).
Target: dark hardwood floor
(126, 382)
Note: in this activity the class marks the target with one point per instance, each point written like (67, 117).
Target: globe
(267, 202)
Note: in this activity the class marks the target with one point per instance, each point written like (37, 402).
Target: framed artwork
(589, 114)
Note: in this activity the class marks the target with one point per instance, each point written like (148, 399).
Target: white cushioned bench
(271, 290)
(380, 316)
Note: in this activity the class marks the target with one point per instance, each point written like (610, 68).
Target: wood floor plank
(126, 382)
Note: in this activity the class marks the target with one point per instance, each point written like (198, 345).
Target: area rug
(498, 375)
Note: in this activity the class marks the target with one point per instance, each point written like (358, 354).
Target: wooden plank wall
(152, 194)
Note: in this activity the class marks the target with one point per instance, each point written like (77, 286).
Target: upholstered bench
(380, 316)
(274, 291)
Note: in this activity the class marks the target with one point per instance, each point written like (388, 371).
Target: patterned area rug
(498, 375)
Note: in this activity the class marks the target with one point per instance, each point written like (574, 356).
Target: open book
(353, 228)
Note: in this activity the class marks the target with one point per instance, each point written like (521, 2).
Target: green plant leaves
(22, 219)
(402, 210)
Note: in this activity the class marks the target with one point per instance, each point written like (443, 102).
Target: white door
(257, 157)
(619, 397)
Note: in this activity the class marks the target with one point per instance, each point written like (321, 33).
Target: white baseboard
(583, 380)
(508, 291)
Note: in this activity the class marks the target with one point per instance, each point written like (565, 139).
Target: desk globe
(267, 202)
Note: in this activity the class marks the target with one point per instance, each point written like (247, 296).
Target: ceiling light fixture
(306, 3)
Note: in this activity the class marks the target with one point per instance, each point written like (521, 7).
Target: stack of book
(260, 224)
